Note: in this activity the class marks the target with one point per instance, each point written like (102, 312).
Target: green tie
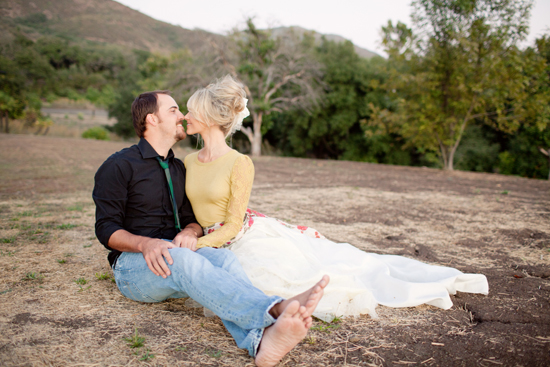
(164, 165)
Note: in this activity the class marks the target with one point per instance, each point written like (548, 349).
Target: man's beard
(180, 135)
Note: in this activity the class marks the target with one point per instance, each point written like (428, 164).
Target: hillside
(107, 21)
(103, 21)
(331, 37)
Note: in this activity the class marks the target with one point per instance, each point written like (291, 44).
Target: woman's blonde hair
(219, 103)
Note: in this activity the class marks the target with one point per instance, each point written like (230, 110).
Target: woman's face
(194, 126)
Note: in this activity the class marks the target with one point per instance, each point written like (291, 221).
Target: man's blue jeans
(212, 277)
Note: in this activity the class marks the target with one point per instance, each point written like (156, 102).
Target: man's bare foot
(309, 299)
(279, 338)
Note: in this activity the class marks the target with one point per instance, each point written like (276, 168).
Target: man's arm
(154, 250)
(110, 196)
(188, 237)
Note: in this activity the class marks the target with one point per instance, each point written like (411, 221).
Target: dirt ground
(59, 306)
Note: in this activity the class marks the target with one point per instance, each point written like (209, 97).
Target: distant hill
(331, 37)
(102, 21)
(107, 21)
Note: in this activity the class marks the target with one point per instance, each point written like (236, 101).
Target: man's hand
(187, 238)
(155, 252)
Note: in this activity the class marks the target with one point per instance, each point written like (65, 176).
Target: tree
(463, 65)
(279, 73)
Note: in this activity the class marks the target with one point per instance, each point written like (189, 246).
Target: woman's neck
(214, 145)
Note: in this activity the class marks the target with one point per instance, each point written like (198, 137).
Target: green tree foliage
(527, 151)
(96, 132)
(340, 127)
(50, 68)
(326, 131)
(24, 76)
(523, 157)
(146, 72)
(464, 66)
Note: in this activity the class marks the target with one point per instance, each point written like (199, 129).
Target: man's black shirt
(131, 193)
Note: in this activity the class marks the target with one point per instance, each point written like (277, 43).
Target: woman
(283, 259)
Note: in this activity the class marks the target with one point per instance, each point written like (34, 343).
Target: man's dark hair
(143, 105)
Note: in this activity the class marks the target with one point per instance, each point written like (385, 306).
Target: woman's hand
(187, 238)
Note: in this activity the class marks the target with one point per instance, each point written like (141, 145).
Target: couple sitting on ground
(178, 230)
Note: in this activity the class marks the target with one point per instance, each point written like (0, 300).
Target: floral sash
(249, 221)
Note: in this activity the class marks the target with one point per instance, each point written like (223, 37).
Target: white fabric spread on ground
(282, 261)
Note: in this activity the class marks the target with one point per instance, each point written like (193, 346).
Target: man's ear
(151, 119)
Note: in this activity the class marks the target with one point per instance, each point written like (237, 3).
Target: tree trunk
(6, 123)
(546, 152)
(450, 163)
(444, 151)
(256, 142)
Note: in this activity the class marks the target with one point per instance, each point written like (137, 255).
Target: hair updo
(220, 103)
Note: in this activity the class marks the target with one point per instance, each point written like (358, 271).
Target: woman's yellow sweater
(219, 192)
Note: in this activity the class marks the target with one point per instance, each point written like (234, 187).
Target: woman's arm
(242, 177)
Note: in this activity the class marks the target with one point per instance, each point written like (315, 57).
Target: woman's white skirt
(282, 261)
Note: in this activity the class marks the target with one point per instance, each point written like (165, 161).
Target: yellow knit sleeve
(242, 177)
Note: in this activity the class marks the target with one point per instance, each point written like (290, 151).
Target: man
(141, 203)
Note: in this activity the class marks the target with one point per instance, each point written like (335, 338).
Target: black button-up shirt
(131, 193)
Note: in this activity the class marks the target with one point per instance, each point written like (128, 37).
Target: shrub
(96, 132)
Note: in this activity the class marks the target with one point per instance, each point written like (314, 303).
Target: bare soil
(59, 306)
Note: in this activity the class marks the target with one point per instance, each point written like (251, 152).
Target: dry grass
(59, 306)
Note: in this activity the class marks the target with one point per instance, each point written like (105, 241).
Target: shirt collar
(147, 151)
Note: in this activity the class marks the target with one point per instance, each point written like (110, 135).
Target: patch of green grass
(104, 276)
(6, 253)
(84, 289)
(61, 261)
(33, 276)
(34, 231)
(45, 238)
(26, 213)
(69, 254)
(136, 340)
(86, 246)
(181, 349)
(327, 327)
(213, 353)
(14, 219)
(337, 320)
(76, 207)
(8, 239)
(147, 355)
(311, 340)
(81, 281)
(66, 226)
(505, 192)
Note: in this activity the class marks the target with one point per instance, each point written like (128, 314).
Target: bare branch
(285, 80)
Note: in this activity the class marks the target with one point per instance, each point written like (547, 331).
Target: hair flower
(241, 116)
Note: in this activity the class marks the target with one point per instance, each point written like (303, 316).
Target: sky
(357, 20)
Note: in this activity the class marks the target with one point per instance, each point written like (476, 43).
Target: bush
(96, 132)
(478, 151)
